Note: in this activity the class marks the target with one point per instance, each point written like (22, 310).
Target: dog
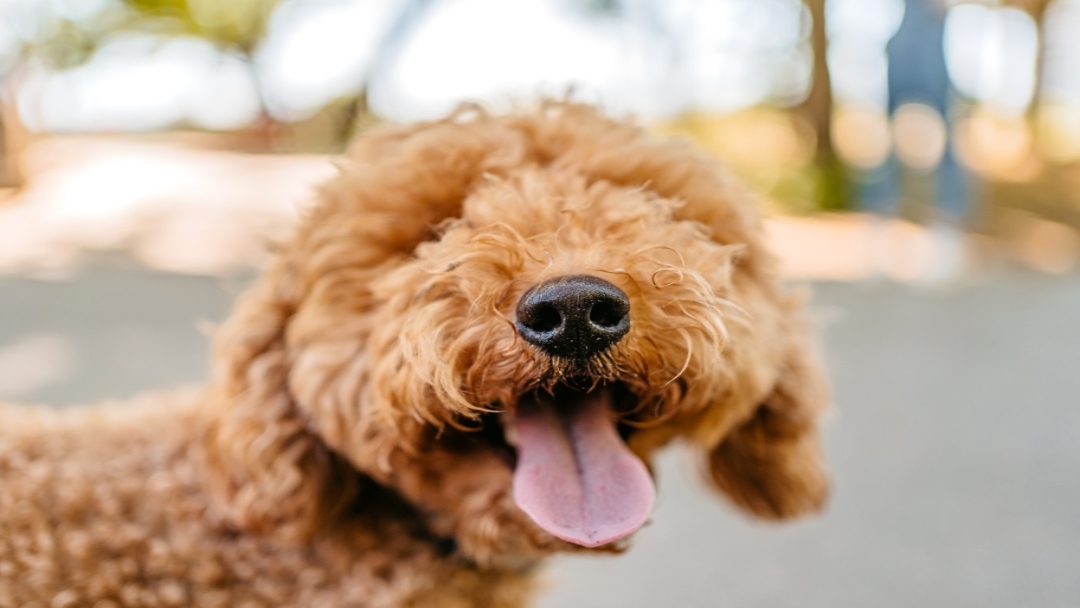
(461, 363)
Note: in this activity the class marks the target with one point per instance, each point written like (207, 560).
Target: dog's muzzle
(575, 317)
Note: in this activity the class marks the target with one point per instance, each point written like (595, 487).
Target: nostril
(607, 314)
(574, 317)
(544, 317)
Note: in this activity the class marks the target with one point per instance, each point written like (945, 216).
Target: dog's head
(498, 316)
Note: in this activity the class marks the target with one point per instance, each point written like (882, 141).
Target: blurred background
(921, 161)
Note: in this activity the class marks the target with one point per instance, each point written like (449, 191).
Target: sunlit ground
(180, 203)
(171, 202)
(178, 207)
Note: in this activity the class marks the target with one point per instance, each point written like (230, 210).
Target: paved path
(955, 444)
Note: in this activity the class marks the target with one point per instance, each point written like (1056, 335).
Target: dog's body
(109, 504)
(460, 364)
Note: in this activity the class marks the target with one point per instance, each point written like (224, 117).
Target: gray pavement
(955, 443)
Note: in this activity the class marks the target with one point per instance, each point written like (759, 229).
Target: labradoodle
(460, 363)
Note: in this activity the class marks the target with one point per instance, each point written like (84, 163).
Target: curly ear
(772, 465)
(269, 473)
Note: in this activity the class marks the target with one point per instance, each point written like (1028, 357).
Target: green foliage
(833, 184)
(238, 24)
(63, 43)
(69, 46)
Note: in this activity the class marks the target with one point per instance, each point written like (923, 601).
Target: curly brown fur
(348, 450)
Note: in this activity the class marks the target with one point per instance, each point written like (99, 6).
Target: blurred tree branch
(61, 43)
(232, 25)
(386, 51)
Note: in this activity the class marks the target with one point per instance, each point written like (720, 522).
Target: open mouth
(574, 475)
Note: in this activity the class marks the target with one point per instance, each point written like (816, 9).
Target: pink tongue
(575, 477)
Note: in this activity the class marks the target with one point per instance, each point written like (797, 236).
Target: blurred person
(917, 74)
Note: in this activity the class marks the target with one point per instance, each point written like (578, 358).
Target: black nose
(574, 317)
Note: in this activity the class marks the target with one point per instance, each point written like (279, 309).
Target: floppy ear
(772, 465)
(268, 472)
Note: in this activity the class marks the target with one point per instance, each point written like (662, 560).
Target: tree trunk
(10, 145)
(1037, 10)
(818, 107)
